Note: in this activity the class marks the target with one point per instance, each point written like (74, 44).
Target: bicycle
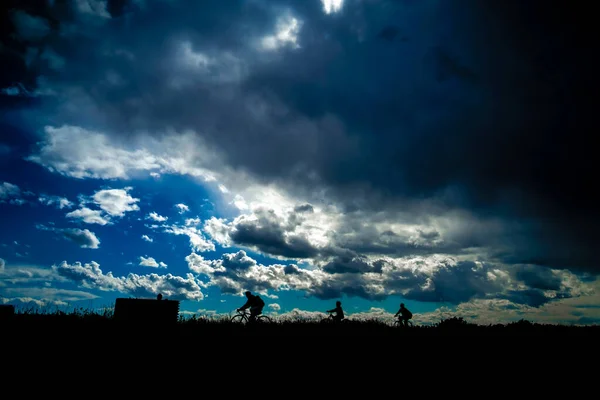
(330, 319)
(398, 323)
(243, 317)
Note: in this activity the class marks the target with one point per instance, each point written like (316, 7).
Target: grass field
(92, 323)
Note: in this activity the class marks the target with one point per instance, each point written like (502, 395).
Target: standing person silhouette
(339, 312)
(404, 314)
(254, 303)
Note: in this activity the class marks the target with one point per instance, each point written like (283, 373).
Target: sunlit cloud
(89, 216)
(151, 262)
(286, 34)
(197, 240)
(182, 208)
(332, 6)
(59, 202)
(155, 217)
(91, 276)
(116, 202)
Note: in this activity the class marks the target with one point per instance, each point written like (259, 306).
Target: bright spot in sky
(287, 33)
(332, 6)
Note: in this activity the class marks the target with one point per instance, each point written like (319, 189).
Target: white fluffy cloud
(80, 153)
(89, 216)
(116, 202)
(197, 240)
(91, 275)
(113, 203)
(155, 217)
(151, 262)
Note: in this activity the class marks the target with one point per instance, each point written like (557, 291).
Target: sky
(435, 153)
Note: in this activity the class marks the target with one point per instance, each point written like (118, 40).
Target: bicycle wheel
(399, 324)
(264, 319)
(239, 319)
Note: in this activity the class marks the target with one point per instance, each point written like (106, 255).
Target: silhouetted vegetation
(87, 322)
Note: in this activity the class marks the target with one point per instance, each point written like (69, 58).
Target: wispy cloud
(59, 202)
(182, 208)
(82, 237)
(10, 193)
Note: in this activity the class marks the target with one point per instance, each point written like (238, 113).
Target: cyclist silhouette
(404, 314)
(339, 312)
(254, 303)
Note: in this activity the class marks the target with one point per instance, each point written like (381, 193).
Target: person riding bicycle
(404, 314)
(339, 312)
(254, 303)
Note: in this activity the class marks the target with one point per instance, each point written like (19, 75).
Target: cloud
(89, 216)
(286, 34)
(59, 202)
(28, 27)
(84, 238)
(84, 154)
(182, 208)
(113, 203)
(332, 6)
(151, 262)
(10, 193)
(218, 230)
(94, 8)
(116, 202)
(155, 217)
(197, 240)
(390, 167)
(269, 236)
(79, 153)
(89, 275)
(438, 279)
(147, 238)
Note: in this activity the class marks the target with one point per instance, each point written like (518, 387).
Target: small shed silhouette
(146, 311)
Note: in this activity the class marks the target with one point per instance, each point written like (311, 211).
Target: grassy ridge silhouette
(90, 322)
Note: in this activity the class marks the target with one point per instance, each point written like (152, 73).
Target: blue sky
(368, 151)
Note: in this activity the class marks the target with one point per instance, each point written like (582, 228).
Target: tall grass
(102, 321)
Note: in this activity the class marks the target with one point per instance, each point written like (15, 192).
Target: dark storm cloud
(458, 283)
(269, 234)
(350, 265)
(237, 261)
(531, 297)
(538, 278)
(485, 108)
